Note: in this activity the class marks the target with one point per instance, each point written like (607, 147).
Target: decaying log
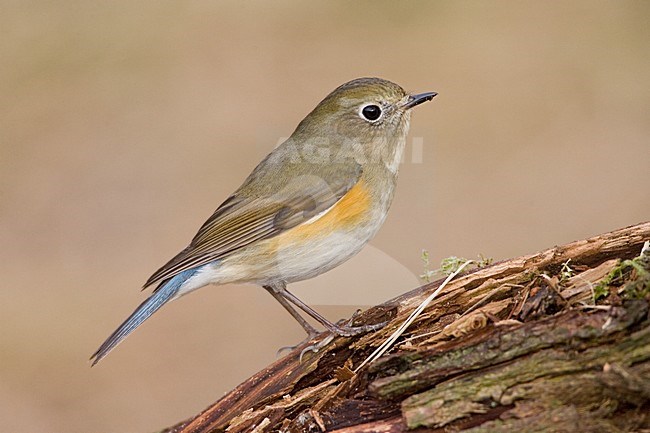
(557, 341)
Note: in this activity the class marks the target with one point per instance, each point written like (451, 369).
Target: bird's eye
(371, 112)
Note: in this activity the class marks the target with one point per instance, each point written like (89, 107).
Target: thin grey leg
(281, 291)
(275, 291)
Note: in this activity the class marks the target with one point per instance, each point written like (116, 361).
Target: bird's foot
(314, 348)
(346, 328)
(310, 336)
(350, 331)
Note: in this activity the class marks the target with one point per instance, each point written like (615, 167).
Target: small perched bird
(309, 206)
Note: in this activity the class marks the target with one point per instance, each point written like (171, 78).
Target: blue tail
(158, 298)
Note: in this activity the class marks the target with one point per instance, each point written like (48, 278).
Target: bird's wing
(242, 220)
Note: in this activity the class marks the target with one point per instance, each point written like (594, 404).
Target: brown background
(124, 124)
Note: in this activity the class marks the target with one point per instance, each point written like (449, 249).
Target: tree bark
(557, 341)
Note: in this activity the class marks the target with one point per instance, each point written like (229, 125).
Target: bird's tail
(158, 298)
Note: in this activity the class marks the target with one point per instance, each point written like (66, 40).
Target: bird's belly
(282, 259)
(300, 261)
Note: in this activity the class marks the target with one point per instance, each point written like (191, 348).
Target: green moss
(634, 273)
(449, 265)
(428, 273)
(566, 272)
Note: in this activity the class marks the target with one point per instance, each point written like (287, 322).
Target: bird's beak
(418, 99)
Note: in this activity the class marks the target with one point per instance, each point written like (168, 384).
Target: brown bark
(516, 346)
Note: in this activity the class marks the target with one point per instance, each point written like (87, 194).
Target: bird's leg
(345, 331)
(274, 290)
(311, 331)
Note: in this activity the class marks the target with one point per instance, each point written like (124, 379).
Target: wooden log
(550, 342)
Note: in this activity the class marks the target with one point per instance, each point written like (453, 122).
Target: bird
(308, 206)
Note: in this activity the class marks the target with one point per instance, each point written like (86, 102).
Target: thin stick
(414, 315)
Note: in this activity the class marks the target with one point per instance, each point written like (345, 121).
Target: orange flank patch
(351, 209)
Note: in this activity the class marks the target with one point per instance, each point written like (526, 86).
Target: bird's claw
(316, 347)
(310, 336)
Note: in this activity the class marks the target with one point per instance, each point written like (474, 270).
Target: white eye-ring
(370, 112)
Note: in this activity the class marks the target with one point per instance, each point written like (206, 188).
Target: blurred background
(124, 124)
